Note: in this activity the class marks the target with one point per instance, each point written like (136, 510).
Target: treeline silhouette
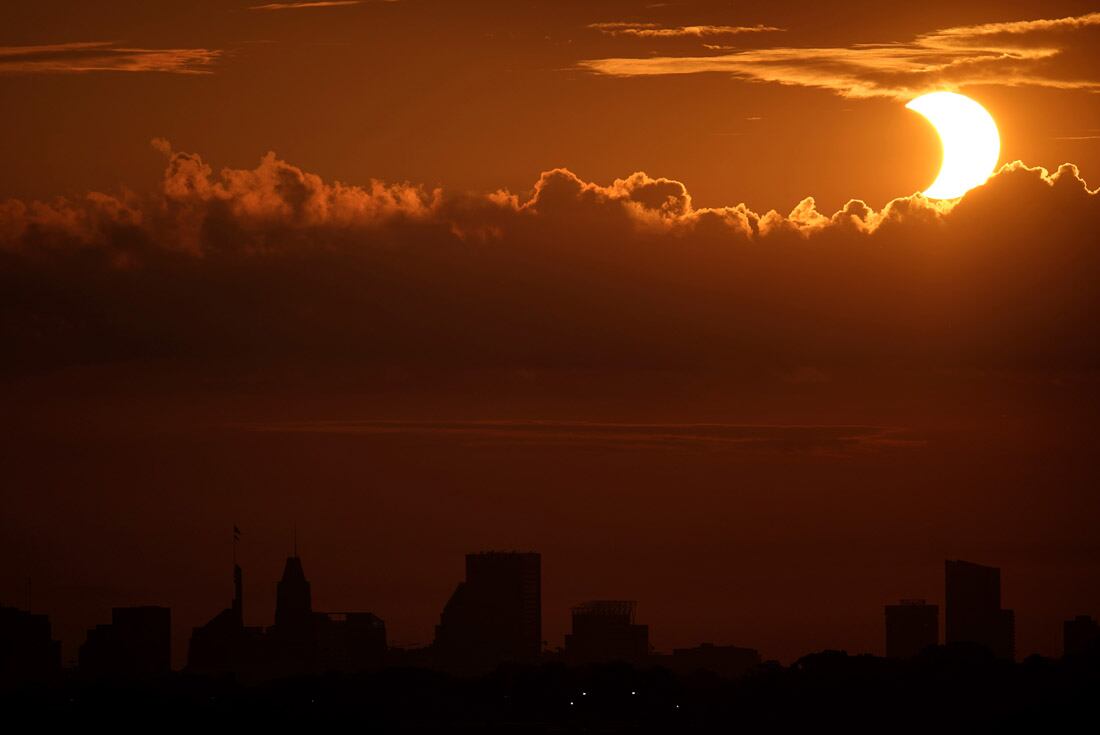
(959, 688)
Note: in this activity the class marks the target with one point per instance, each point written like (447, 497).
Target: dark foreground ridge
(960, 688)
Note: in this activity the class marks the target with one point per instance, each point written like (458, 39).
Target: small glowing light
(570, 704)
(584, 694)
(634, 692)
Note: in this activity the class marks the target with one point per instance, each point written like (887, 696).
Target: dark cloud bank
(275, 264)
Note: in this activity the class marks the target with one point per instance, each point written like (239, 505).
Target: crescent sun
(971, 143)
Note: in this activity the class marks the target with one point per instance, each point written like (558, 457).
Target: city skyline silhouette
(540, 366)
(493, 618)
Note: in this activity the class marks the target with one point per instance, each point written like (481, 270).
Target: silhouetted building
(728, 661)
(225, 645)
(411, 657)
(301, 641)
(974, 614)
(911, 627)
(27, 649)
(495, 615)
(293, 599)
(293, 639)
(604, 630)
(136, 643)
(1080, 635)
(350, 641)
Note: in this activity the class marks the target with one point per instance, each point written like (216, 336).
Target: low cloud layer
(100, 56)
(275, 263)
(1058, 53)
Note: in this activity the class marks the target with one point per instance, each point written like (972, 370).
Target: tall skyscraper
(974, 615)
(604, 630)
(495, 615)
(911, 627)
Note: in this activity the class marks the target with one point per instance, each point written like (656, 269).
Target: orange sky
(237, 244)
(485, 95)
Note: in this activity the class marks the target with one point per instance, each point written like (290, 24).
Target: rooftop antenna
(238, 582)
(295, 539)
(28, 594)
(236, 542)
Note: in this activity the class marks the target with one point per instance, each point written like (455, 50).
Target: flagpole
(238, 584)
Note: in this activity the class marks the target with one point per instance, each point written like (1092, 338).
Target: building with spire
(293, 638)
(301, 641)
(293, 599)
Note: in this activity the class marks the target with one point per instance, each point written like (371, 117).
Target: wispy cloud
(1043, 52)
(656, 30)
(826, 440)
(305, 5)
(1016, 27)
(99, 56)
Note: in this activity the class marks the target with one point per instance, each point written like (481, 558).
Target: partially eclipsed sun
(971, 143)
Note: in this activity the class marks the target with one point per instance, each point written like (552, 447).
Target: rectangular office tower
(974, 613)
(495, 615)
(27, 649)
(604, 630)
(137, 642)
(1080, 636)
(911, 627)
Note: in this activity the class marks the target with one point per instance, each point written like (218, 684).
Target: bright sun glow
(971, 143)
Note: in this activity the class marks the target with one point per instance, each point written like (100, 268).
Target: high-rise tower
(293, 600)
(972, 593)
(495, 615)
